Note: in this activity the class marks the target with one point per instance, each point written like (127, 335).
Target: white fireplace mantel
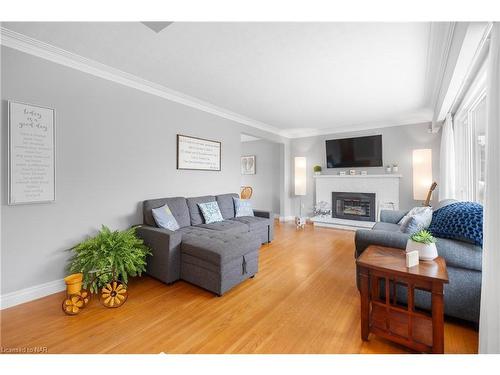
(359, 176)
(384, 186)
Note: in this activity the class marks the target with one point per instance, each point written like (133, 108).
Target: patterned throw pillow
(211, 212)
(164, 218)
(417, 219)
(461, 221)
(243, 207)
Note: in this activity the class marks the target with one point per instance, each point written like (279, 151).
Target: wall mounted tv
(354, 152)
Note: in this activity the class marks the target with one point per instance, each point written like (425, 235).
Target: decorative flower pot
(425, 251)
(74, 283)
(317, 173)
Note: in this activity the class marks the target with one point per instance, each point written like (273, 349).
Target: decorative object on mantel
(395, 168)
(388, 169)
(31, 153)
(352, 172)
(342, 173)
(364, 173)
(248, 164)
(424, 243)
(317, 170)
(300, 187)
(198, 154)
(105, 262)
(246, 192)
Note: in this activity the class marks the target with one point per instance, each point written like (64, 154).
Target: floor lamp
(300, 187)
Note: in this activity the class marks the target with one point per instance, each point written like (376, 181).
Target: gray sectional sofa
(462, 295)
(215, 256)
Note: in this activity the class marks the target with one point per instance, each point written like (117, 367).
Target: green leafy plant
(423, 236)
(317, 168)
(109, 255)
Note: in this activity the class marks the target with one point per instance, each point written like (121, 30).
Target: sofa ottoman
(218, 261)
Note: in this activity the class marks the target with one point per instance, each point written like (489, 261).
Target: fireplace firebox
(353, 206)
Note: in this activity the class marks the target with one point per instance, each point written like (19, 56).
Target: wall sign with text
(32, 157)
(198, 154)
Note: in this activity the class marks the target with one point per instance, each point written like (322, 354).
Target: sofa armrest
(364, 238)
(392, 216)
(267, 215)
(164, 264)
(261, 213)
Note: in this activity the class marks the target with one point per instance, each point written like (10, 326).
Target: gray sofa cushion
(194, 210)
(218, 247)
(226, 226)
(253, 222)
(226, 204)
(390, 227)
(177, 205)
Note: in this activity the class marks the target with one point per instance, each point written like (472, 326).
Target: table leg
(365, 304)
(437, 318)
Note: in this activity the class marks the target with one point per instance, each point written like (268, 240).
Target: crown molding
(420, 117)
(60, 56)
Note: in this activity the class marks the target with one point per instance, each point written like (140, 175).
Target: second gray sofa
(215, 256)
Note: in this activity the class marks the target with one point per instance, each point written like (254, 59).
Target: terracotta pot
(74, 283)
(425, 251)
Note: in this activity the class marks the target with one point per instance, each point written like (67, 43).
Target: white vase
(317, 173)
(425, 251)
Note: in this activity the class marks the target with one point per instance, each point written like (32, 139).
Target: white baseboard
(287, 218)
(31, 293)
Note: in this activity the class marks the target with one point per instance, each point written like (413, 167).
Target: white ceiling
(299, 78)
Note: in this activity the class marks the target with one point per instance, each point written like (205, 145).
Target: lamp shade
(422, 173)
(300, 175)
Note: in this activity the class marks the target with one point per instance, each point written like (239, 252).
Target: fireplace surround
(353, 206)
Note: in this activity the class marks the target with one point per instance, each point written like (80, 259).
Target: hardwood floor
(303, 300)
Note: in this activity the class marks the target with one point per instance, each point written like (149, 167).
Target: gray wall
(266, 180)
(397, 142)
(116, 146)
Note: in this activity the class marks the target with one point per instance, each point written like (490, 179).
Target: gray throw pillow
(417, 219)
(164, 218)
(243, 207)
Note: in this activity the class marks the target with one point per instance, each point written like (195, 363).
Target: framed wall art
(248, 164)
(31, 153)
(198, 153)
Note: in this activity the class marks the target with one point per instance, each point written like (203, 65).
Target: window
(470, 139)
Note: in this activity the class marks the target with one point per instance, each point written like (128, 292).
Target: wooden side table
(404, 325)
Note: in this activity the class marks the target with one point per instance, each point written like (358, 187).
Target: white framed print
(31, 153)
(248, 164)
(198, 153)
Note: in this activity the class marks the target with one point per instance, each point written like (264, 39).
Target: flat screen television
(354, 152)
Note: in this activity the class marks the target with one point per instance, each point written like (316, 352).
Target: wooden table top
(394, 260)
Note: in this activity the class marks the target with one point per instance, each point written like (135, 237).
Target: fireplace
(353, 206)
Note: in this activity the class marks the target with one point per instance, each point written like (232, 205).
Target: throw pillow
(164, 218)
(461, 221)
(417, 219)
(243, 207)
(211, 212)
(415, 211)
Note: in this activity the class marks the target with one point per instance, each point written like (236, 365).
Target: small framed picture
(248, 164)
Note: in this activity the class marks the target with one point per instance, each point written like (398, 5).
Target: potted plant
(108, 259)
(423, 242)
(395, 168)
(317, 170)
